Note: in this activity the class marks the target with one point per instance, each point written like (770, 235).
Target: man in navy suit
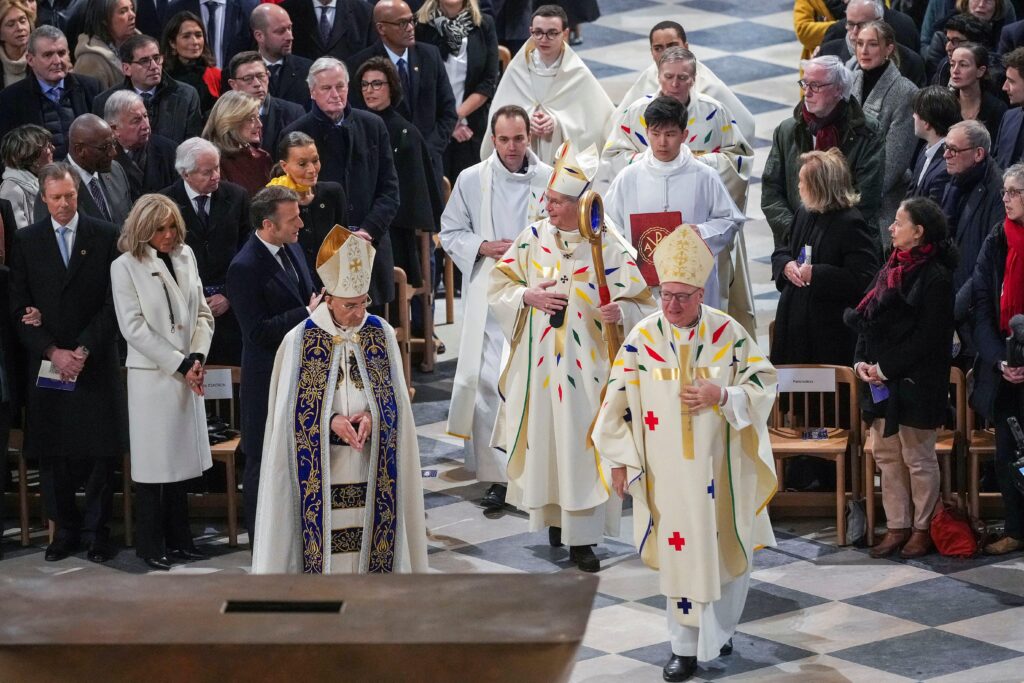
(226, 24)
(330, 28)
(427, 99)
(273, 31)
(935, 110)
(1009, 145)
(270, 288)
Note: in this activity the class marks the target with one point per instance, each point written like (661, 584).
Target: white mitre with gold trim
(683, 256)
(344, 263)
(574, 172)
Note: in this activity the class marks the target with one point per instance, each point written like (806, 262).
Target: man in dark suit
(935, 110)
(249, 74)
(427, 99)
(49, 96)
(173, 106)
(355, 151)
(1009, 147)
(64, 315)
(147, 158)
(106, 194)
(326, 28)
(216, 215)
(273, 31)
(271, 291)
(226, 24)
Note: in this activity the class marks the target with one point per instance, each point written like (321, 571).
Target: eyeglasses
(1012, 193)
(372, 85)
(402, 23)
(857, 25)
(814, 87)
(104, 147)
(955, 41)
(261, 76)
(681, 298)
(254, 119)
(147, 62)
(953, 151)
(550, 35)
(352, 307)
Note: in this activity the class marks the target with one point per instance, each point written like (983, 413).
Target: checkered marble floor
(815, 612)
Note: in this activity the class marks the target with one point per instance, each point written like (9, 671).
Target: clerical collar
(668, 167)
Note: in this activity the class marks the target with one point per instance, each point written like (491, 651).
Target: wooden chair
(981, 443)
(225, 453)
(951, 443)
(403, 330)
(15, 445)
(504, 57)
(837, 412)
(424, 345)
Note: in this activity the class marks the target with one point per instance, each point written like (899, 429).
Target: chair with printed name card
(225, 452)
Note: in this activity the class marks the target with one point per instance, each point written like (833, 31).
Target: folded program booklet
(49, 378)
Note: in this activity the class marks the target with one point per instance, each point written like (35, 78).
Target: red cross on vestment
(651, 421)
(677, 541)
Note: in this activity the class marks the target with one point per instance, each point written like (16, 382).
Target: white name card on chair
(807, 379)
(218, 385)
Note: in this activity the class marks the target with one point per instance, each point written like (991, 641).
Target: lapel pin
(323, 206)
(415, 68)
(83, 252)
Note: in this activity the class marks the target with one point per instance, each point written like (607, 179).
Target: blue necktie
(55, 94)
(62, 243)
(403, 73)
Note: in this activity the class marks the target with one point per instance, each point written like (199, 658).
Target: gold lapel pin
(83, 252)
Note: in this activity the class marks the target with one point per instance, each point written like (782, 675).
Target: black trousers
(5, 473)
(161, 518)
(1007, 405)
(60, 479)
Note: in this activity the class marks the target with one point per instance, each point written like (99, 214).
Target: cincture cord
(167, 296)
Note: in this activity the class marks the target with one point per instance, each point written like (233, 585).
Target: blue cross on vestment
(685, 605)
(711, 489)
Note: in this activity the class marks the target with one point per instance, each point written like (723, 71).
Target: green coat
(861, 142)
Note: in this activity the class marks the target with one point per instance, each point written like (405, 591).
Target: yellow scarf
(286, 181)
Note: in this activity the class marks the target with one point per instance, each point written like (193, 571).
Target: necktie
(287, 264)
(62, 244)
(403, 73)
(325, 25)
(211, 27)
(55, 93)
(97, 195)
(204, 216)
(275, 76)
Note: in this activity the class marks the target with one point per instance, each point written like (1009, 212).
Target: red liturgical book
(646, 230)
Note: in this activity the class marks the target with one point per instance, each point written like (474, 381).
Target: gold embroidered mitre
(683, 256)
(573, 172)
(344, 263)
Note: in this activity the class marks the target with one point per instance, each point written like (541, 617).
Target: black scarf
(452, 30)
(960, 187)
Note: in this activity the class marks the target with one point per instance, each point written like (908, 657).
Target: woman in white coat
(164, 317)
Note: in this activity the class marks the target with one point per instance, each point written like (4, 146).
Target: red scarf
(893, 274)
(824, 129)
(1011, 301)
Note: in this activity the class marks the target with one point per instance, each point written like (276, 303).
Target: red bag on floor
(952, 533)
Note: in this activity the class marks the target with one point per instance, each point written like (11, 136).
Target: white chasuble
(570, 94)
(325, 507)
(700, 481)
(552, 383)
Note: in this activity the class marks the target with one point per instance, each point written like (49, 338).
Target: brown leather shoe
(893, 541)
(920, 544)
(1006, 544)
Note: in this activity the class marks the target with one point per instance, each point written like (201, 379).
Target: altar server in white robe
(684, 425)
(340, 488)
(489, 205)
(664, 35)
(715, 140)
(544, 294)
(549, 80)
(667, 179)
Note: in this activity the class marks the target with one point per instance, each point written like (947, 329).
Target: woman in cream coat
(164, 317)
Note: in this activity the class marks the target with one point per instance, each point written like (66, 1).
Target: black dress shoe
(159, 563)
(100, 551)
(59, 549)
(555, 536)
(494, 499)
(192, 553)
(726, 649)
(679, 668)
(584, 558)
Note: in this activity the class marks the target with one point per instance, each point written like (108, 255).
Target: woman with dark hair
(187, 57)
(108, 23)
(998, 286)
(824, 268)
(24, 151)
(322, 204)
(418, 189)
(469, 46)
(904, 348)
(969, 78)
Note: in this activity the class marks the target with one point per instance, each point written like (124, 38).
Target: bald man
(274, 32)
(427, 98)
(104, 192)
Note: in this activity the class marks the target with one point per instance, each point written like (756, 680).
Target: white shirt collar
(85, 175)
(272, 248)
(931, 149)
(330, 5)
(192, 194)
(151, 91)
(72, 226)
(267, 63)
(395, 57)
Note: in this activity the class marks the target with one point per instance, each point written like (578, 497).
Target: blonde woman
(108, 23)
(234, 127)
(16, 22)
(826, 263)
(163, 315)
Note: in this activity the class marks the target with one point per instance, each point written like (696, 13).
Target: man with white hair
(216, 215)
(862, 12)
(355, 151)
(147, 158)
(827, 117)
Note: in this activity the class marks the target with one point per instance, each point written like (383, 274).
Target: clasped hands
(352, 429)
(868, 372)
(799, 276)
(552, 302)
(69, 363)
(196, 378)
(542, 124)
